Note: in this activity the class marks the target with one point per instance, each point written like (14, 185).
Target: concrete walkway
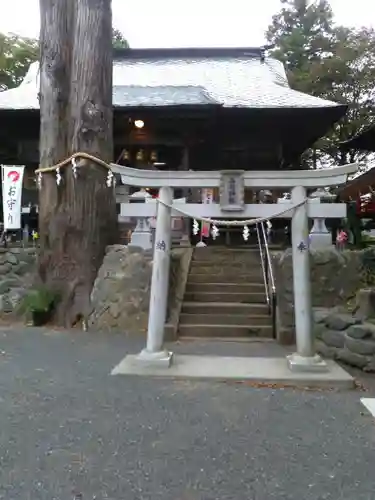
(68, 430)
(261, 362)
(231, 368)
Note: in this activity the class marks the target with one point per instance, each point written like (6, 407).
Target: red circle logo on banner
(13, 175)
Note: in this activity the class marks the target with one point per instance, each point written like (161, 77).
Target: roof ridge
(187, 52)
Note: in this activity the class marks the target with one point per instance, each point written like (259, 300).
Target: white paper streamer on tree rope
(73, 162)
(109, 180)
(58, 176)
(74, 168)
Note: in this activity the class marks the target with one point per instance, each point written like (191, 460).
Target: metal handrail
(269, 262)
(265, 279)
(268, 276)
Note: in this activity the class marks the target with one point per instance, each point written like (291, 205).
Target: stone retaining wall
(343, 337)
(17, 271)
(335, 279)
(121, 293)
(179, 272)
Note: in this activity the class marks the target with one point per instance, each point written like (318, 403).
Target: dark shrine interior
(216, 138)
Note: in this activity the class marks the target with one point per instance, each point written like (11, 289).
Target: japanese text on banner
(12, 177)
(207, 197)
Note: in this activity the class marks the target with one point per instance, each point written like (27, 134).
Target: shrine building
(186, 109)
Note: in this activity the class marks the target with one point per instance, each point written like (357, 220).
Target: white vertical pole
(154, 351)
(305, 359)
(301, 275)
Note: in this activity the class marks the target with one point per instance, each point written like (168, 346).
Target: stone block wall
(121, 293)
(345, 338)
(179, 271)
(335, 279)
(17, 272)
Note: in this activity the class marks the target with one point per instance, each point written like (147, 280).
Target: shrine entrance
(228, 237)
(233, 212)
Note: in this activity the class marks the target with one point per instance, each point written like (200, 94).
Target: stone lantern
(320, 237)
(142, 235)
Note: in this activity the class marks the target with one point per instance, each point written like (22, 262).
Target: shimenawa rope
(215, 222)
(246, 222)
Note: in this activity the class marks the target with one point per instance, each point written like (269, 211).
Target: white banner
(12, 176)
(207, 197)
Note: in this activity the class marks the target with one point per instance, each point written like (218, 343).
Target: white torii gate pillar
(305, 359)
(154, 354)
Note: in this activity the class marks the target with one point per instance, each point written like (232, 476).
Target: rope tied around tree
(72, 160)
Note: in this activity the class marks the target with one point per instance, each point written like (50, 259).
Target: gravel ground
(69, 431)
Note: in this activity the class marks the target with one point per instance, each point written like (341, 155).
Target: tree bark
(78, 218)
(56, 30)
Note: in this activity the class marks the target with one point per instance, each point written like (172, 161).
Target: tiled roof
(241, 81)
(168, 95)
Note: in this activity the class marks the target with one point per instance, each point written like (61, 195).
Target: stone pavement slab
(69, 431)
(257, 370)
(369, 403)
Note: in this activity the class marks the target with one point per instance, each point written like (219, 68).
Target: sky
(189, 23)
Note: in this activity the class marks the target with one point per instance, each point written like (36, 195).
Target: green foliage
(328, 61)
(17, 53)
(39, 299)
(368, 240)
(354, 224)
(118, 40)
(303, 35)
(349, 77)
(368, 266)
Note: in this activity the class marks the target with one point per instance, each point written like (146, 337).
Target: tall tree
(349, 78)
(327, 61)
(303, 35)
(78, 218)
(16, 55)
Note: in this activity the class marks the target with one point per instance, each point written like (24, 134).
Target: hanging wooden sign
(232, 190)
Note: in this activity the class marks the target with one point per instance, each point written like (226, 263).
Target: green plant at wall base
(39, 299)
(354, 224)
(367, 240)
(368, 266)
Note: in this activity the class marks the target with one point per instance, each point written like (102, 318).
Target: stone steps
(222, 257)
(208, 331)
(225, 276)
(225, 308)
(225, 296)
(217, 264)
(229, 297)
(232, 250)
(225, 319)
(251, 287)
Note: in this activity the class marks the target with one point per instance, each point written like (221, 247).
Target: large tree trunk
(78, 218)
(56, 32)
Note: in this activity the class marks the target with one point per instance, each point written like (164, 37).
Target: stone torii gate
(232, 185)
